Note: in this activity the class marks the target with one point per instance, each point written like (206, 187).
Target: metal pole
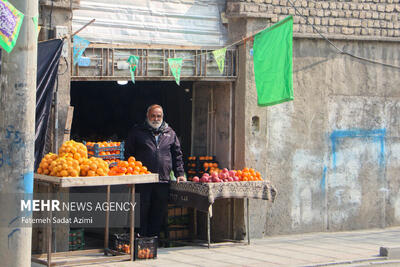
(132, 226)
(208, 228)
(107, 229)
(248, 222)
(55, 140)
(17, 136)
(49, 228)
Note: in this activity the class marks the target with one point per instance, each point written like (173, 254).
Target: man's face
(155, 117)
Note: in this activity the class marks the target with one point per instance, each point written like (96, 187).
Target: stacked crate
(196, 166)
(178, 223)
(112, 154)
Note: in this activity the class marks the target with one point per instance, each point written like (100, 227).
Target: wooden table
(54, 183)
(201, 196)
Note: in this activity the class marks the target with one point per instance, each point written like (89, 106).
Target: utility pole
(17, 138)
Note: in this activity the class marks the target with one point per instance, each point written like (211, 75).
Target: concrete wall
(333, 152)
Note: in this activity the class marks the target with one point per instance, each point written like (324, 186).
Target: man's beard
(154, 124)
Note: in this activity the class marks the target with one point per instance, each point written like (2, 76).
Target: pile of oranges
(248, 174)
(64, 167)
(44, 166)
(145, 253)
(73, 161)
(54, 165)
(130, 167)
(94, 167)
(73, 150)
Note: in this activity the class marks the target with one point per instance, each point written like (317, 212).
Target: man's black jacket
(159, 158)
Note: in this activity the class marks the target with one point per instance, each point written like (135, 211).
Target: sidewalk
(354, 248)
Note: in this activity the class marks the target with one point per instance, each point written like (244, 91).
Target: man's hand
(180, 179)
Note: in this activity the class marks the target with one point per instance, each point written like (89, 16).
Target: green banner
(10, 21)
(219, 56)
(133, 62)
(273, 66)
(175, 65)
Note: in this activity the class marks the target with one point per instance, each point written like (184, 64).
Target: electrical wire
(341, 51)
(66, 69)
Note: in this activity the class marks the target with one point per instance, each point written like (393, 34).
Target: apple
(214, 180)
(232, 173)
(226, 180)
(224, 170)
(214, 174)
(230, 179)
(236, 179)
(195, 179)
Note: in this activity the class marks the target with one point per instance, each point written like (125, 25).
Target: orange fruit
(93, 166)
(139, 163)
(131, 159)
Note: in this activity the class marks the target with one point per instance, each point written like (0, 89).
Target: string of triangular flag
(268, 93)
(219, 55)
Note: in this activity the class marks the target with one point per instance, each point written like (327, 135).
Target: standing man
(157, 146)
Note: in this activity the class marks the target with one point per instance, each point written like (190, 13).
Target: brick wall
(379, 19)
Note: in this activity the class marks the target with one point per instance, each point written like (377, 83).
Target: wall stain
(11, 234)
(377, 136)
(323, 180)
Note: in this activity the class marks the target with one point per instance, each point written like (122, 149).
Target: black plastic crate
(121, 243)
(146, 248)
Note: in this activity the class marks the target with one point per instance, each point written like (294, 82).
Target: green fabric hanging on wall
(273, 67)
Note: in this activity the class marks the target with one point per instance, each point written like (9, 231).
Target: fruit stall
(73, 166)
(207, 183)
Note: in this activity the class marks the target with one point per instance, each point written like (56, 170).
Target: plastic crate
(96, 149)
(195, 165)
(146, 248)
(76, 239)
(121, 242)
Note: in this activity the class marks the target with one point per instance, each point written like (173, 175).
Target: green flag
(133, 61)
(175, 65)
(273, 66)
(219, 56)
